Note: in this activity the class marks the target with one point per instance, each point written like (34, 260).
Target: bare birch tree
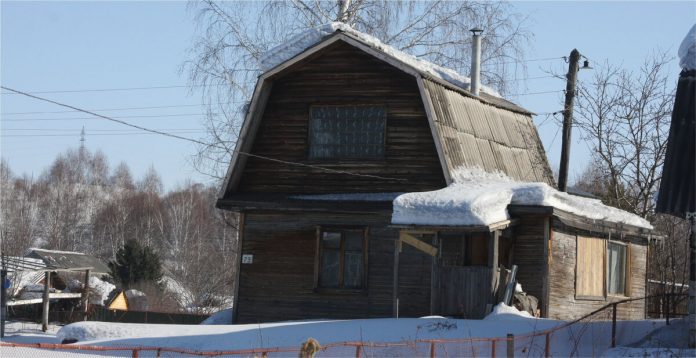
(625, 116)
(234, 36)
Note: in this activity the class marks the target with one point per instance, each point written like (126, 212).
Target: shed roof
(65, 260)
(485, 131)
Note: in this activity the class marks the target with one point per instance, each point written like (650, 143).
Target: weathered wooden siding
(528, 255)
(279, 284)
(478, 135)
(463, 291)
(342, 75)
(563, 303)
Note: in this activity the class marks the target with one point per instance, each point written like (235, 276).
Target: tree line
(80, 204)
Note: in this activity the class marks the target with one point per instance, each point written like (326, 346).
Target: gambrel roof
(486, 131)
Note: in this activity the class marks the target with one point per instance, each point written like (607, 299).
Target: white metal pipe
(475, 86)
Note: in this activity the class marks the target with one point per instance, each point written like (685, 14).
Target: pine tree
(135, 263)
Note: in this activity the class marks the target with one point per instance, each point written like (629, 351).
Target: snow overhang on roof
(477, 198)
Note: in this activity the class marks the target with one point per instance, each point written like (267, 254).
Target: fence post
(493, 348)
(510, 345)
(358, 351)
(135, 353)
(432, 349)
(547, 348)
(613, 324)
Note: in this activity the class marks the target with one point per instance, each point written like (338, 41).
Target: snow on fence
(591, 334)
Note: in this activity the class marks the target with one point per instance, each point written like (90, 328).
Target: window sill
(590, 298)
(617, 296)
(340, 291)
(345, 161)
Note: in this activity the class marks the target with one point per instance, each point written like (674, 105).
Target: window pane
(347, 132)
(354, 241)
(353, 269)
(328, 276)
(617, 269)
(331, 240)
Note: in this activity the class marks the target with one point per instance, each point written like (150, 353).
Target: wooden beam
(240, 246)
(427, 229)
(44, 314)
(395, 290)
(418, 244)
(85, 296)
(493, 263)
(435, 279)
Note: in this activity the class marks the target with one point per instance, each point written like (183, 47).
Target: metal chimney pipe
(475, 86)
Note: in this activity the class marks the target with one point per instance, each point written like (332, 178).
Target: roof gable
(523, 154)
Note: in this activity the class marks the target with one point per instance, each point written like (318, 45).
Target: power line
(530, 60)
(91, 134)
(533, 93)
(196, 141)
(113, 89)
(94, 130)
(82, 118)
(126, 108)
(535, 78)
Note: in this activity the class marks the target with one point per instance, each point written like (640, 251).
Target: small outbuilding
(129, 300)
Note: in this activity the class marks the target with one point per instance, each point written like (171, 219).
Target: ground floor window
(341, 261)
(616, 268)
(601, 268)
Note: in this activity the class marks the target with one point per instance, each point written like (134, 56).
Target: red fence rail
(429, 347)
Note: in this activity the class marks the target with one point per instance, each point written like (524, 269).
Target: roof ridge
(306, 39)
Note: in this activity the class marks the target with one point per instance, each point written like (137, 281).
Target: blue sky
(95, 45)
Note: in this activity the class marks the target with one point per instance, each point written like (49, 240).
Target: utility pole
(573, 67)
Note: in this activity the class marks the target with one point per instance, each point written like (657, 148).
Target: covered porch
(468, 266)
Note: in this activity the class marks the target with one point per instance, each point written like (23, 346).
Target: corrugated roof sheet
(69, 260)
(476, 134)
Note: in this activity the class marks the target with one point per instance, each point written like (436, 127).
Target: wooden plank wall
(463, 291)
(279, 284)
(343, 75)
(528, 255)
(562, 301)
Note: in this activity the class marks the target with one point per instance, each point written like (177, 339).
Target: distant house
(339, 128)
(63, 260)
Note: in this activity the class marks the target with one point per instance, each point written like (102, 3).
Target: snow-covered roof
(687, 50)
(299, 43)
(477, 198)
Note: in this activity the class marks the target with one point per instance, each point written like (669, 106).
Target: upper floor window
(347, 132)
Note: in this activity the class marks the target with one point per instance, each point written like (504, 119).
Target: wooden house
(339, 128)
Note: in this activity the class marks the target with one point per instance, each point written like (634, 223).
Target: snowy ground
(637, 338)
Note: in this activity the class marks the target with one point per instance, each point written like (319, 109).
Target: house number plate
(247, 259)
